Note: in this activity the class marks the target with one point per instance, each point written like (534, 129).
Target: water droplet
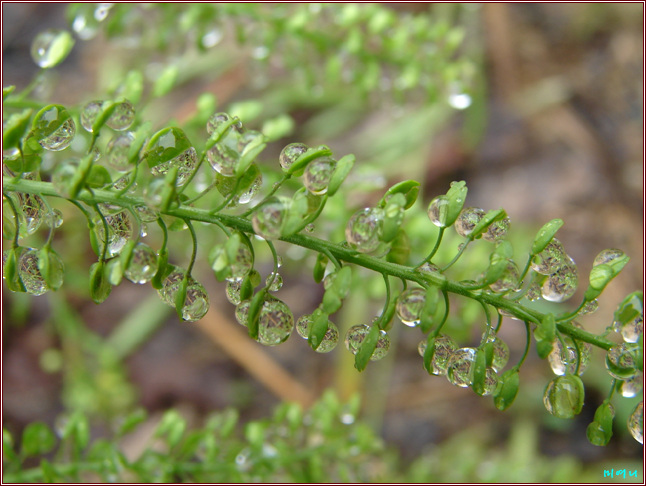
(330, 340)
(631, 331)
(85, 27)
(185, 161)
(89, 113)
(122, 117)
(636, 423)
(562, 397)
(562, 284)
(607, 256)
(355, 336)
(274, 282)
(444, 348)
(196, 304)
(55, 218)
(497, 230)
(500, 351)
(459, 101)
(428, 268)
(143, 230)
(458, 370)
(242, 312)
(219, 119)
(623, 356)
(437, 211)
(143, 264)
(233, 291)
(30, 274)
(630, 387)
(122, 182)
(303, 325)
(317, 175)
(490, 382)
(267, 221)
(534, 292)
(170, 286)
(509, 279)
(275, 322)
(279, 261)
(224, 156)
(410, 304)
(467, 220)
(309, 228)
(589, 307)
(62, 130)
(563, 359)
(117, 152)
(119, 231)
(33, 208)
(50, 47)
(290, 153)
(146, 214)
(550, 259)
(364, 229)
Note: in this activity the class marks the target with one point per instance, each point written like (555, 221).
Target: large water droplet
(438, 211)
(562, 397)
(562, 284)
(467, 220)
(119, 231)
(89, 113)
(242, 312)
(428, 268)
(117, 150)
(290, 153)
(607, 256)
(636, 423)
(30, 274)
(364, 229)
(196, 304)
(490, 382)
(355, 336)
(550, 259)
(59, 138)
(122, 117)
(224, 156)
(143, 264)
(497, 230)
(51, 47)
(459, 367)
(274, 282)
(624, 357)
(233, 291)
(267, 221)
(630, 387)
(563, 359)
(500, 351)
(509, 279)
(34, 211)
(146, 214)
(55, 218)
(275, 322)
(218, 120)
(317, 175)
(170, 286)
(589, 307)
(444, 349)
(409, 306)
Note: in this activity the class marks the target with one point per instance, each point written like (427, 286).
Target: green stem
(447, 307)
(16, 219)
(194, 252)
(322, 246)
(527, 345)
(457, 257)
(284, 179)
(435, 248)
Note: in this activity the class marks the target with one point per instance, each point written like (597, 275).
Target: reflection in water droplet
(444, 348)
(143, 264)
(562, 397)
(119, 231)
(438, 211)
(290, 153)
(630, 387)
(467, 220)
(364, 229)
(196, 304)
(562, 284)
(267, 221)
(317, 175)
(274, 282)
(608, 256)
(410, 304)
(459, 367)
(30, 274)
(355, 336)
(636, 423)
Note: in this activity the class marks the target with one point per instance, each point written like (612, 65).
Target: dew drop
(274, 282)
(224, 156)
(290, 153)
(34, 211)
(117, 152)
(459, 366)
(267, 221)
(490, 382)
(410, 304)
(562, 397)
(622, 356)
(30, 274)
(467, 220)
(218, 120)
(364, 230)
(143, 264)
(563, 359)
(58, 138)
(89, 113)
(550, 259)
(309, 228)
(170, 286)
(444, 348)
(428, 268)
(275, 322)
(355, 336)
(196, 304)
(146, 214)
(119, 231)
(438, 211)
(590, 307)
(233, 291)
(630, 387)
(317, 175)
(608, 256)
(50, 47)
(497, 230)
(509, 279)
(562, 284)
(242, 312)
(500, 352)
(55, 218)
(636, 423)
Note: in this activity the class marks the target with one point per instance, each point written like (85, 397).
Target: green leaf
(429, 352)
(14, 129)
(399, 248)
(498, 262)
(479, 372)
(165, 81)
(430, 307)
(545, 235)
(141, 135)
(180, 297)
(163, 269)
(254, 312)
(165, 145)
(630, 308)
(318, 328)
(319, 267)
(313, 153)
(77, 181)
(171, 426)
(341, 171)
(599, 432)
(131, 421)
(37, 438)
(489, 218)
(278, 127)
(545, 333)
(221, 131)
(507, 389)
(49, 472)
(107, 108)
(98, 177)
(248, 156)
(51, 267)
(10, 270)
(48, 120)
(366, 348)
(6, 91)
(456, 196)
(114, 271)
(100, 287)
(60, 46)
(409, 189)
(393, 217)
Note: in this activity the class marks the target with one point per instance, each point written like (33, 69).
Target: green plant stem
(16, 236)
(527, 346)
(321, 246)
(458, 255)
(194, 252)
(284, 179)
(436, 247)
